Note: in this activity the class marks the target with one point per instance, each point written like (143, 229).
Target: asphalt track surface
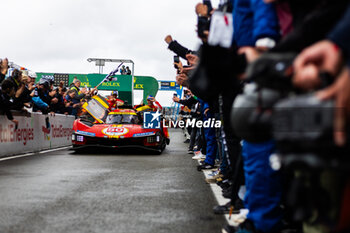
(100, 191)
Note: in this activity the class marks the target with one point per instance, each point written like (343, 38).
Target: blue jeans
(212, 145)
(264, 187)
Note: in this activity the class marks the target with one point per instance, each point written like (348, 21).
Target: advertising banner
(34, 133)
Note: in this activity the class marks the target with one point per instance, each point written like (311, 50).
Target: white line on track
(235, 218)
(33, 153)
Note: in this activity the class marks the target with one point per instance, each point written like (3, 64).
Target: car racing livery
(120, 128)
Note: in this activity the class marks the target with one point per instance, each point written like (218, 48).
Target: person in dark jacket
(177, 48)
(22, 97)
(329, 55)
(59, 107)
(72, 107)
(16, 77)
(190, 102)
(21, 94)
(6, 95)
(312, 21)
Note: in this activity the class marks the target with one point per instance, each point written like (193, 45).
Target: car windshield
(122, 119)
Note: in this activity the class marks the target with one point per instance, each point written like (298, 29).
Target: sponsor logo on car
(115, 131)
(143, 134)
(85, 133)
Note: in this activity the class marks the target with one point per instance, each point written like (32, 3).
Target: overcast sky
(59, 35)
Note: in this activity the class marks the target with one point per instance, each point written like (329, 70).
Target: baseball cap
(114, 92)
(32, 74)
(44, 82)
(49, 79)
(149, 97)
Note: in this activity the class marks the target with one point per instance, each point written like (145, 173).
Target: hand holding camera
(177, 63)
(182, 79)
(192, 59)
(175, 98)
(324, 56)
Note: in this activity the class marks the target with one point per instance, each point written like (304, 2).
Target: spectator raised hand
(168, 39)
(202, 10)
(4, 66)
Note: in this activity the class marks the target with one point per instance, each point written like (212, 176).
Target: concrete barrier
(32, 134)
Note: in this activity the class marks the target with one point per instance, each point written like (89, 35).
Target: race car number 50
(115, 131)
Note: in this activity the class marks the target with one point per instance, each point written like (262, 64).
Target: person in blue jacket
(256, 26)
(210, 137)
(41, 97)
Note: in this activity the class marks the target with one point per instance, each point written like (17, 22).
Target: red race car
(120, 128)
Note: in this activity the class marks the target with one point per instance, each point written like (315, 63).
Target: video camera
(302, 127)
(270, 108)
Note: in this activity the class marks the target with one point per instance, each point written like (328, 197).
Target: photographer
(6, 94)
(22, 96)
(16, 78)
(307, 31)
(255, 26)
(59, 106)
(41, 97)
(329, 56)
(31, 84)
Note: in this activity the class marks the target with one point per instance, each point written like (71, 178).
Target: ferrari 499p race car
(120, 128)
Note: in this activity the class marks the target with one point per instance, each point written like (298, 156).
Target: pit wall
(33, 135)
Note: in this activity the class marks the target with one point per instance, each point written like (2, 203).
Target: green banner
(123, 83)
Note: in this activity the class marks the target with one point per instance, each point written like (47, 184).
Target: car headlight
(151, 139)
(73, 137)
(80, 138)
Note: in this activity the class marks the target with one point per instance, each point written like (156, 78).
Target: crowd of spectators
(20, 92)
(299, 51)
